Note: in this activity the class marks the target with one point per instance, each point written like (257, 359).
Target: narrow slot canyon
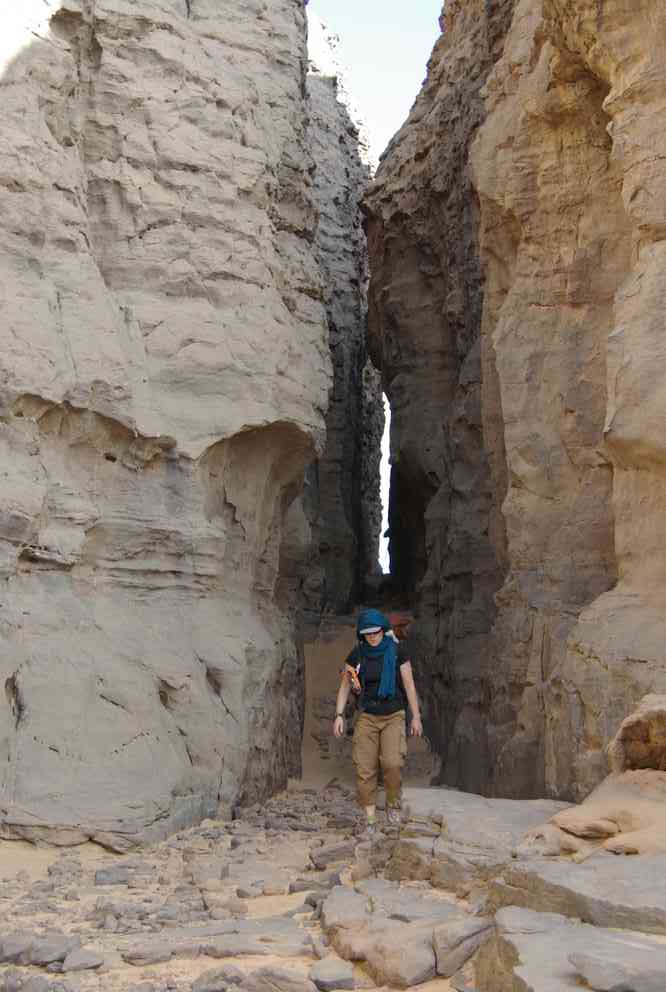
(257, 375)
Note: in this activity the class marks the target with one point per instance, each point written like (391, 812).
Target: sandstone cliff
(570, 162)
(425, 310)
(163, 384)
(516, 246)
(343, 496)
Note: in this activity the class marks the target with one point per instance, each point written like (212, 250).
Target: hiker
(379, 670)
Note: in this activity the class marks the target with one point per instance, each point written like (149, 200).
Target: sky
(384, 50)
(384, 47)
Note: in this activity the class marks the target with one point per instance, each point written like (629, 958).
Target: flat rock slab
(344, 908)
(546, 952)
(29, 949)
(278, 936)
(404, 904)
(478, 835)
(608, 890)
(82, 959)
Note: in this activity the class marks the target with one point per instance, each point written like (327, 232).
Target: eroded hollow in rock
(641, 740)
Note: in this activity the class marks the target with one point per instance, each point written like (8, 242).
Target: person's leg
(392, 750)
(365, 755)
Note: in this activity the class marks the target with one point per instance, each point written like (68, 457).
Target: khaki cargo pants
(379, 740)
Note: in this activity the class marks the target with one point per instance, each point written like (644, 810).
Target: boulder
(606, 890)
(546, 952)
(332, 973)
(402, 956)
(457, 940)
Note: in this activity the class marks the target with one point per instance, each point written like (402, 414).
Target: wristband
(340, 715)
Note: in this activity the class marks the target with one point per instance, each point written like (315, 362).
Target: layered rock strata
(516, 236)
(163, 385)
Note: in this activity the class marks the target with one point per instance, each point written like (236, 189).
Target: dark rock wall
(344, 484)
(446, 534)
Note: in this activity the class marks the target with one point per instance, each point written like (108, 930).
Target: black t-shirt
(372, 677)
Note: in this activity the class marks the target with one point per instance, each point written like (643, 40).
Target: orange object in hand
(352, 675)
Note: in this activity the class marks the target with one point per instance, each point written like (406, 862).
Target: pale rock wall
(572, 154)
(163, 383)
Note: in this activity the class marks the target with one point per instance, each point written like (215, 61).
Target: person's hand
(416, 729)
(338, 726)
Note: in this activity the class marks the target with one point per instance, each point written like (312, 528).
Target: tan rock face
(524, 196)
(163, 380)
(626, 814)
(568, 161)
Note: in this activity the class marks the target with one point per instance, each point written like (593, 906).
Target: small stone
(218, 979)
(322, 857)
(144, 954)
(332, 973)
(82, 960)
(248, 891)
(276, 885)
(236, 906)
(116, 875)
(55, 947)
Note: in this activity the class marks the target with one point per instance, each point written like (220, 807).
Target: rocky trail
(290, 897)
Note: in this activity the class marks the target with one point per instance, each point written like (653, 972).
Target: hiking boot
(393, 817)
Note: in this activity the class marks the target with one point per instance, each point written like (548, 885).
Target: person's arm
(416, 727)
(340, 703)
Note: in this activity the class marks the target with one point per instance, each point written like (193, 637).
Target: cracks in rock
(113, 702)
(132, 740)
(214, 681)
(15, 699)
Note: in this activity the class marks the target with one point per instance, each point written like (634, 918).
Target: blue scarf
(386, 650)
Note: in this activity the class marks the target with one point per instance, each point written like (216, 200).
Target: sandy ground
(324, 759)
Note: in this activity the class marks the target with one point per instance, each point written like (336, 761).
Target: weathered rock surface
(454, 839)
(626, 814)
(516, 240)
(163, 386)
(424, 324)
(607, 890)
(544, 952)
(562, 211)
(343, 486)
